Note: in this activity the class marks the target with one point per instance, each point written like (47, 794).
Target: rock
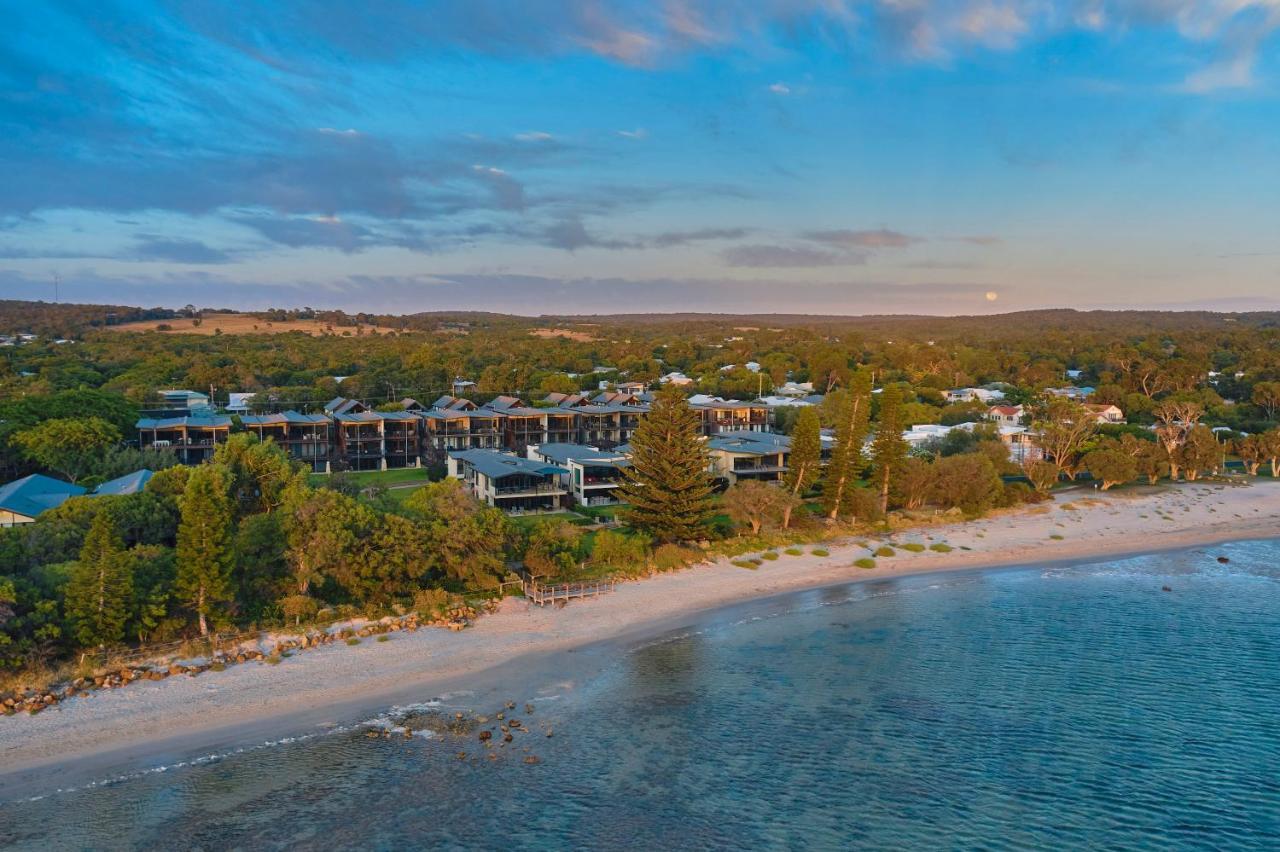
(528, 708)
(373, 735)
(1223, 560)
(500, 716)
(511, 705)
(532, 759)
(1165, 589)
(549, 732)
(515, 723)
(506, 738)
(485, 736)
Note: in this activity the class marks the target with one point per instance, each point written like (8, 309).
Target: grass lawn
(366, 478)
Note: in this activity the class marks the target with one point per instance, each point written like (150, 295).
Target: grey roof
(342, 405)
(373, 416)
(130, 483)
(36, 493)
(496, 465)
(292, 418)
(565, 453)
(453, 402)
(510, 405)
(750, 443)
(456, 414)
(197, 421)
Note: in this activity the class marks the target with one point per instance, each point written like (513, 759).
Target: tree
(1271, 449)
(754, 503)
(888, 449)
(205, 552)
(804, 463)
(1200, 452)
(554, 550)
(847, 463)
(1110, 466)
(667, 485)
(101, 587)
(912, 484)
(153, 574)
(1174, 421)
(967, 482)
(70, 446)
(260, 472)
(1252, 450)
(1043, 475)
(323, 532)
(1149, 457)
(1266, 395)
(1062, 427)
(464, 539)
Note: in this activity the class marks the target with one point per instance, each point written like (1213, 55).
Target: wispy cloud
(788, 257)
(880, 238)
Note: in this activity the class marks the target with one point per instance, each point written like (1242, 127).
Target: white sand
(331, 684)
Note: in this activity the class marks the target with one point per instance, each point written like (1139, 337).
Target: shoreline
(125, 731)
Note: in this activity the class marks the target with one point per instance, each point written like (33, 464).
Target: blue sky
(814, 156)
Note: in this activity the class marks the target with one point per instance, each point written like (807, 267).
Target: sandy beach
(336, 684)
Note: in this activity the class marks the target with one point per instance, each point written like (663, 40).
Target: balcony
(529, 491)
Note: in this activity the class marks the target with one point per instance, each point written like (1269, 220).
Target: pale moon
(992, 295)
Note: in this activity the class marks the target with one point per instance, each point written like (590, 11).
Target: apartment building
(304, 437)
(592, 475)
(193, 438)
(509, 482)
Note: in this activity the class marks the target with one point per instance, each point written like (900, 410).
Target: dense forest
(248, 539)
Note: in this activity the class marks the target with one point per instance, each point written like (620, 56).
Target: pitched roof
(744, 442)
(292, 418)
(565, 453)
(196, 421)
(36, 493)
(130, 483)
(342, 405)
(497, 465)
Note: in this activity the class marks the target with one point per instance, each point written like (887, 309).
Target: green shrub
(273, 660)
(353, 641)
(820, 551)
(1057, 537)
(913, 547)
(770, 555)
(382, 637)
(885, 550)
(669, 557)
(865, 562)
(217, 666)
(433, 603)
(745, 563)
(941, 547)
(627, 554)
(793, 551)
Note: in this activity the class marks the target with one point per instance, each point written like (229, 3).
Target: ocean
(1130, 704)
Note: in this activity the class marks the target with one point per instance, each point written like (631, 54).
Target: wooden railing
(543, 594)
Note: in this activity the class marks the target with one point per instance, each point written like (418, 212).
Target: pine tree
(205, 553)
(888, 449)
(805, 459)
(667, 485)
(847, 463)
(101, 586)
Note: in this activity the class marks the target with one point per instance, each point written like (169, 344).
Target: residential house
(675, 378)
(1071, 392)
(633, 388)
(1106, 413)
(194, 437)
(130, 483)
(510, 482)
(342, 405)
(1006, 415)
(304, 437)
(794, 389)
(462, 386)
(184, 399)
(23, 500)
(984, 395)
(592, 475)
(238, 403)
(745, 454)
(1021, 443)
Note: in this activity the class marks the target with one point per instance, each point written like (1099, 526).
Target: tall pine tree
(888, 450)
(205, 553)
(100, 589)
(839, 490)
(805, 460)
(667, 485)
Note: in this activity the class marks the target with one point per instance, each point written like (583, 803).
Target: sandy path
(331, 684)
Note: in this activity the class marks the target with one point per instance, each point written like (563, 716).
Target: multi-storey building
(509, 482)
(192, 438)
(749, 455)
(592, 475)
(304, 437)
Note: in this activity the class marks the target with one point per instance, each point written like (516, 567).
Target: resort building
(748, 455)
(453, 423)
(592, 475)
(304, 437)
(509, 482)
(377, 440)
(194, 438)
(729, 415)
(23, 500)
(520, 424)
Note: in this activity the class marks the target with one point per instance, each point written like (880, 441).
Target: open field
(568, 334)
(245, 324)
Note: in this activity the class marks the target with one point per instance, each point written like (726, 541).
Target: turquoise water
(1041, 708)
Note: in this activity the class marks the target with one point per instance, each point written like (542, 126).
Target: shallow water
(1063, 707)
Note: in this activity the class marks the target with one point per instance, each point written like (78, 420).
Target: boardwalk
(542, 594)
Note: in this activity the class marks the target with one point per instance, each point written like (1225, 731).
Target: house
(1106, 413)
(509, 482)
(454, 423)
(181, 399)
(922, 433)
(795, 389)
(1070, 392)
(238, 403)
(985, 395)
(130, 483)
(1072, 375)
(632, 388)
(729, 415)
(23, 500)
(304, 437)
(193, 437)
(1021, 444)
(462, 386)
(377, 440)
(676, 378)
(745, 454)
(1006, 415)
(592, 474)
(342, 405)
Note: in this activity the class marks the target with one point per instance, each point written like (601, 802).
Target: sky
(799, 156)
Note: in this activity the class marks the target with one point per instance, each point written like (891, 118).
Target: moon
(992, 295)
